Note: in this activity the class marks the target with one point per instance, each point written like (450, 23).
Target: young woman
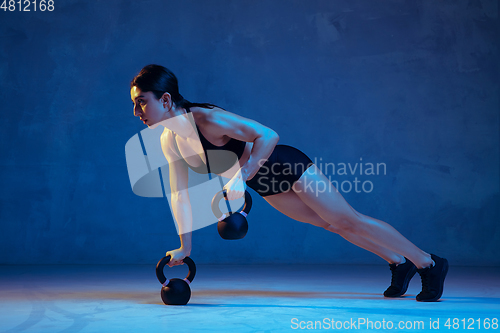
(264, 166)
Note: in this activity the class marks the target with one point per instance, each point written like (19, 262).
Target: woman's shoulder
(215, 115)
(209, 118)
(168, 138)
(167, 141)
(169, 146)
(205, 114)
(166, 134)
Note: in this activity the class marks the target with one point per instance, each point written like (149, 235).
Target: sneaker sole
(444, 271)
(412, 272)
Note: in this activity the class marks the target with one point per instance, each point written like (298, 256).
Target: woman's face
(146, 106)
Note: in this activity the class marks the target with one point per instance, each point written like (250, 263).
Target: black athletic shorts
(281, 170)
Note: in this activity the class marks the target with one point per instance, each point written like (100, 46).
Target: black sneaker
(433, 280)
(401, 276)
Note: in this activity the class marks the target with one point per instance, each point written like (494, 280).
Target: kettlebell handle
(165, 260)
(244, 210)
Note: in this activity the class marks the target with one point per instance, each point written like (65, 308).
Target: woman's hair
(159, 80)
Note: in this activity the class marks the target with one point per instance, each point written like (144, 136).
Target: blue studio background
(412, 84)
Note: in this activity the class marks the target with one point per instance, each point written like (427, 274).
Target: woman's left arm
(263, 146)
(264, 139)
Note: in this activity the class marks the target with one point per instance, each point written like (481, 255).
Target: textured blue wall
(412, 84)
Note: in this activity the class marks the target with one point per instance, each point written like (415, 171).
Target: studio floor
(264, 298)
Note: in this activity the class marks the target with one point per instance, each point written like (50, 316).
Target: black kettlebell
(234, 225)
(175, 291)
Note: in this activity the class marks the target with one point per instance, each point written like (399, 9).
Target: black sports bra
(220, 161)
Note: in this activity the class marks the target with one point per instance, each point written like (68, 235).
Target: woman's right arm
(180, 203)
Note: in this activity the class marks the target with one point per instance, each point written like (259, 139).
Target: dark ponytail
(159, 80)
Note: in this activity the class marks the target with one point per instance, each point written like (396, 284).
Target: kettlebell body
(235, 226)
(232, 225)
(176, 292)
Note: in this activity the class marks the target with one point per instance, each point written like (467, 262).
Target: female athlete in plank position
(156, 98)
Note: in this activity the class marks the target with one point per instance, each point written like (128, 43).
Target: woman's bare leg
(332, 208)
(292, 206)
